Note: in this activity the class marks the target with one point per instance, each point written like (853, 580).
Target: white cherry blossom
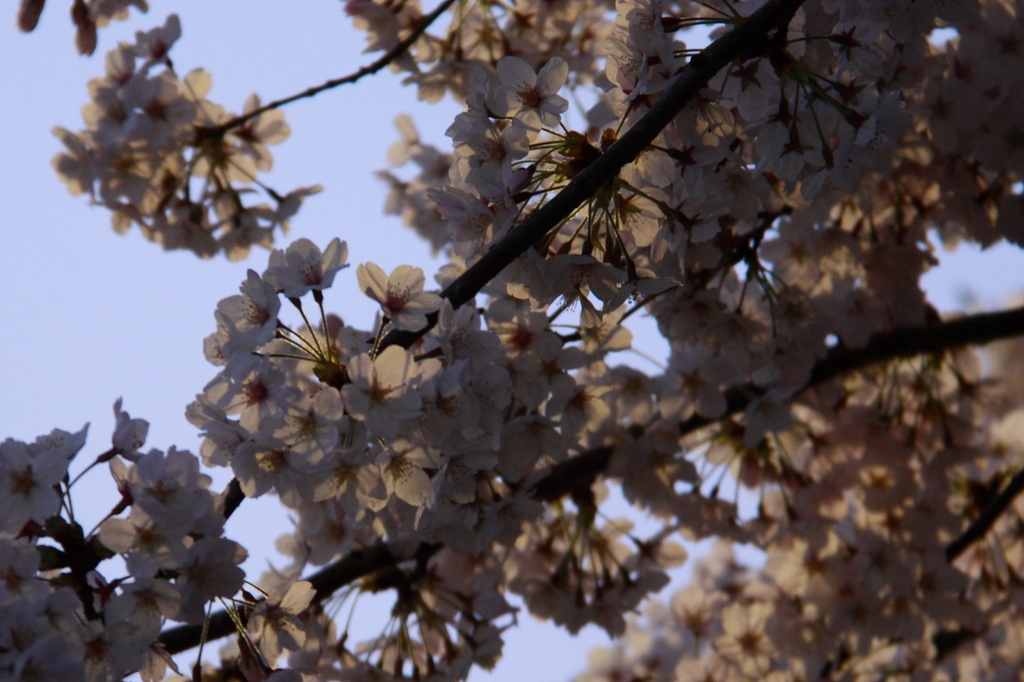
(810, 401)
(528, 96)
(382, 393)
(303, 267)
(400, 294)
(275, 623)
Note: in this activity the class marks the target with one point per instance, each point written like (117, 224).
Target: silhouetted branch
(751, 33)
(981, 525)
(327, 581)
(969, 330)
(233, 497)
(386, 59)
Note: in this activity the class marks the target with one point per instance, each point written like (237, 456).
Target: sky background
(87, 316)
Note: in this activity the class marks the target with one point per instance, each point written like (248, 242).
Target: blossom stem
(289, 335)
(312, 330)
(326, 330)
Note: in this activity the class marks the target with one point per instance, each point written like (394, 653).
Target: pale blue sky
(88, 315)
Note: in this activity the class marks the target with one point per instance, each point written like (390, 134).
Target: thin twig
(385, 60)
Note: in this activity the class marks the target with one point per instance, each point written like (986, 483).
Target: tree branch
(327, 581)
(387, 58)
(981, 525)
(775, 14)
(969, 330)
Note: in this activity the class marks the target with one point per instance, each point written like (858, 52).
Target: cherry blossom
(400, 294)
(303, 267)
(275, 624)
(29, 475)
(383, 390)
(249, 320)
(527, 96)
(150, 130)
(769, 204)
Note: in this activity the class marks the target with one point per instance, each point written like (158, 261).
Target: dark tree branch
(386, 59)
(969, 330)
(981, 525)
(233, 497)
(702, 68)
(327, 581)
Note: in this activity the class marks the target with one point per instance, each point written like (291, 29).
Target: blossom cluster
(156, 152)
(860, 577)
(812, 403)
(62, 619)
